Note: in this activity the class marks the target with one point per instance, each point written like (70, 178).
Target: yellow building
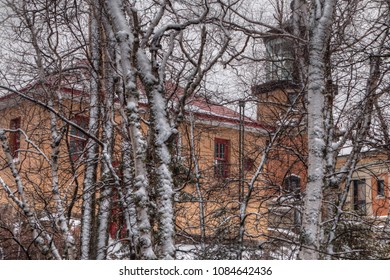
(216, 154)
(368, 193)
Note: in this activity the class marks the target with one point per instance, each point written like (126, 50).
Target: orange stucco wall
(220, 196)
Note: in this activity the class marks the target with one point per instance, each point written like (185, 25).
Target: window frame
(77, 142)
(14, 137)
(288, 186)
(221, 158)
(292, 96)
(359, 191)
(380, 187)
(248, 164)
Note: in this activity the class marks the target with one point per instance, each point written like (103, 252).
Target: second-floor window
(292, 185)
(77, 138)
(14, 137)
(221, 158)
(249, 164)
(292, 96)
(380, 185)
(359, 196)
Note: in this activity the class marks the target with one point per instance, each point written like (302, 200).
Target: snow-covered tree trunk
(104, 47)
(164, 181)
(42, 239)
(70, 248)
(127, 198)
(161, 132)
(108, 180)
(127, 50)
(125, 190)
(91, 158)
(320, 27)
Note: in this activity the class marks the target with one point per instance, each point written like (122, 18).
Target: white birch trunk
(165, 192)
(160, 132)
(107, 184)
(322, 17)
(48, 247)
(68, 237)
(125, 40)
(89, 184)
(106, 112)
(127, 198)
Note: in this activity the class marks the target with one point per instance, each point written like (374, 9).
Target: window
(292, 96)
(280, 64)
(78, 139)
(221, 158)
(14, 138)
(380, 187)
(249, 164)
(117, 224)
(359, 196)
(292, 184)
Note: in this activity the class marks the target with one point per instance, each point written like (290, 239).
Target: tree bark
(320, 27)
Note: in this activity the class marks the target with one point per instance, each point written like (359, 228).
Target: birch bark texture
(321, 19)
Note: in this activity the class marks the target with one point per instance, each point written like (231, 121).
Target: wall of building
(221, 195)
(371, 168)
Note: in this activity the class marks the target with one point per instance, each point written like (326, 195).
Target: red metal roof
(199, 106)
(211, 111)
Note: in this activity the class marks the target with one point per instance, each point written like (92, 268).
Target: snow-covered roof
(201, 108)
(204, 109)
(347, 149)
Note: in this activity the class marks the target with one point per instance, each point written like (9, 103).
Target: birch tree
(321, 19)
(150, 49)
(32, 25)
(325, 116)
(141, 63)
(140, 31)
(317, 30)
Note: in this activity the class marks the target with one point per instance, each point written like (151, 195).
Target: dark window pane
(77, 139)
(381, 187)
(248, 164)
(14, 137)
(359, 196)
(221, 165)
